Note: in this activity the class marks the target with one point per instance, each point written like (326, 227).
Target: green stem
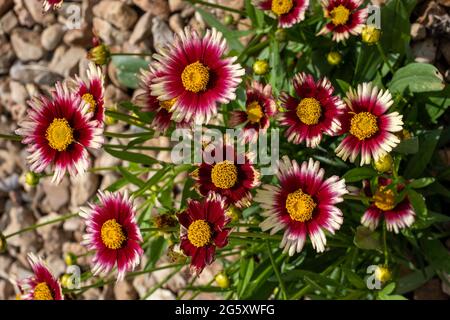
(171, 229)
(125, 147)
(126, 135)
(217, 6)
(161, 283)
(386, 254)
(355, 197)
(380, 49)
(142, 54)
(255, 235)
(35, 226)
(277, 272)
(11, 137)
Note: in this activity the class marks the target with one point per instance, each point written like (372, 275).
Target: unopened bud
(70, 258)
(222, 280)
(31, 179)
(260, 67)
(100, 55)
(382, 274)
(334, 58)
(384, 163)
(370, 34)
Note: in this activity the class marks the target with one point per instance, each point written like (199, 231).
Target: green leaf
(414, 280)
(131, 156)
(417, 77)
(421, 183)
(233, 43)
(388, 289)
(128, 69)
(358, 174)
(408, 146)
(156, 248)
(245, 275)
(418, 202)
(354, 279)
(437, 255)
(131, 177)
(437, 103)
(343, 85)
(367, 239)
(427, 144)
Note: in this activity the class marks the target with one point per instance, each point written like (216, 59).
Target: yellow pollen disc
(340, 15)
(384, 199)
(89, 98)
(300, 206)
(167, 104)
(280, 7)
(224, 174)
(195, 77)
(254, 112)
(42, 292)
(59, 134)
(199, 233)
(363, 125)
(112, 234)
(309, 111)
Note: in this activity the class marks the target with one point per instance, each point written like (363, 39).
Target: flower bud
(334, 58)
(100, 55)
(233, 213)
(384, 163)
(3, 243)
(70, 258)
(222, 280)
(382, 274)
(370, 34)
(65, 280)
(281, 35)
(260, 67)
(31, 179)
(228, 20)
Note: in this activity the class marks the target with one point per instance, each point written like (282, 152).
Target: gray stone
(5, 5)
(66, 63)
(424, 51)
(176, 23)
(117, 13)
(52, 36)
(123, 290)
(142, 28)
(177, 5)
(8, 22)
(162, 35)
(26, 44)
(158, 8)
(83, 188)
(35, 9)
(7, 55)
(33, 73)
(56, 196)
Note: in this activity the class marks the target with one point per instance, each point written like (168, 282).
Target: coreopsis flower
(195, 74)
(112, 232)
(260, 106)
(233, 177)
(91, 91)
(370, 128)
(42, 285)
(288, 12)
(344, 17)
(397, 215)
(203, 228)
(149, 103)
(303, 204)
(51, 4)
(313, 112)
(58, 130)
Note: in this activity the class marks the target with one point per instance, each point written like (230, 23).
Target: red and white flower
(43, 285)
(370, 129)
(112, 232)
(194, 72)
(345, 18)
(233, 177)
(58, 130)
(203, 228)
(303, 204)
(397, 215)
(162, 110)
(91, 91)
(52, 4)
(313, 112)
(260, 106)
(288, 12)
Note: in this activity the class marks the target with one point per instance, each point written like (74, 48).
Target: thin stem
(355, 197)
(277, 272)
(11, 137)
(217, 6)
(161, 283)
(35, 226)
(142, 54)
(380, 49)
(125, 147)
(386, 254)
(255, 235)
(172, 229)
(126, 135)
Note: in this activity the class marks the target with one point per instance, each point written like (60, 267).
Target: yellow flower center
(363, 125)
(384, 199)
(300, 206)
(224, 174)
(280, 7)
(59, 134)
(340, 15)
(199, 233)
(195, 77)
(254, 112)
(167, 104)
(309, 111)
(42, 292)
(89, 98)
(112, 234)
